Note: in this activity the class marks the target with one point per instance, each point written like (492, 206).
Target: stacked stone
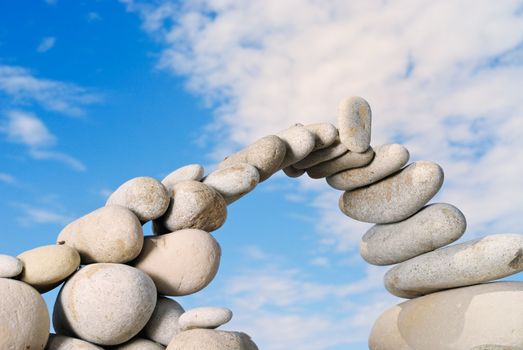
(118, 283)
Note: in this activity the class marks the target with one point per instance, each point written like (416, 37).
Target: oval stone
(299, 142)
(354, 123)
(433, 227)
(396, 197)
(46, 267)
(105, 304)
(189, 172)
(10, 266)
(266, 155)
(182, 262)
(139, 344)
(146, 197)
(24, 320)
(291, 171)
(163, 324)
(387, 160)
(325, 134)
(233, 182)
(62, 342)
(209, 339)
(347, 161)
(480, 260)
(333, 151)
(460, 318)
(194, 205)
(205, 317)
(110, 234)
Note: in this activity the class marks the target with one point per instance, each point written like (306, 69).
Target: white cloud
(46, 44)
(7, 178)
(93, 17)
(34, 215)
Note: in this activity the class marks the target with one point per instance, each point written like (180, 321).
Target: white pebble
(347, 161)
(189, 172)
(10, 266)
(233, 182)
(205, 317)
(354, 123)
(299, 142)
(325, 134)
(163, 324)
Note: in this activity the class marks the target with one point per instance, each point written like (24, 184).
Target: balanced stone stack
(117, 283)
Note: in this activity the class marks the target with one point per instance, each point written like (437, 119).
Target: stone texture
(24, 320)
(146, 197)
(110, 234)
(105, 304)
(347, 161)
(10, 266)
(396, 197)
(194, 205)
(266, 155)
(354, 123)
(62, 342)
(233, 182)
(496, 347)
(46, 267)
(387, 160)
(182, 262)
(333, 151)
(163, 324)
(325, 134)
(455, 319)
(480, 260)
(205, 317)
(299, 142)
(208, 339)
(291, 171)
(189, 172)
(433, 227)
(139, 344)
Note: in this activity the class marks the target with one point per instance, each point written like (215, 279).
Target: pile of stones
(117, 284)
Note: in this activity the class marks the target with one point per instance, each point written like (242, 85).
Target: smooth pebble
(205, 317)
(233, 182)
(354, 123)
(163, 324)
(10, 266)
(299, 142)
(209, 339)
(62, 342)
(291, 171)
(325, 134)
(333, 151)
(138, 344)
(346, 161)
(188, 172)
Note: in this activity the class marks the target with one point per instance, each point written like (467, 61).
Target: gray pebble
(433, 227)
(387, 160)
(291, 171)
(210, 339)
(10, 266)
(480, 260)
(325, 134)
(266, 155)
(354, 123)
(396, 197)
(163, 324)
(189, 172)
(347, 161)
(333, 151)
(146, 197)
(299, 142)
(233, 182)
(205, 317)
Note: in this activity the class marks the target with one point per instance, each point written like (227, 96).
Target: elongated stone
(210, 339)
(299, 142)
(480, 260)
(10, 266)
(233, 182)
(387, 160)
(266, 155)
(433, 227)
(396, 197)
(205, 317)
(333, 151)
(188, 172)
(325, 134)
(347, 161)
(354, 123)
(455, 319)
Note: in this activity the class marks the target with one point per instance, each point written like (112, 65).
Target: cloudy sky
(93, 93)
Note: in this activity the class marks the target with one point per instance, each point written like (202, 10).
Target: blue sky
(94, 93)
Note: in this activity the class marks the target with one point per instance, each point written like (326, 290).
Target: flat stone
(105, 304)
(110, 234)
(460, 318)
(24, 319)
(325, 134)
(266, 155)
(189, 172)
(387, 160)
(10, 266)
(299, 142)
(209, 339)
(163, 324)
(347, 161)
(205, 317)
(480, 260)
(291, 171)
(194, 205)
(62, 342)
(333, 151)
(396, 197)
(138, 344)
(46, 267)
(233, 182)
(433, 227)
(146, 197)
(354, 123)
(182, 262)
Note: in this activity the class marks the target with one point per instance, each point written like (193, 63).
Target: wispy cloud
(93, 17)
(7, 178)
(36, 215)
(46, 44)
